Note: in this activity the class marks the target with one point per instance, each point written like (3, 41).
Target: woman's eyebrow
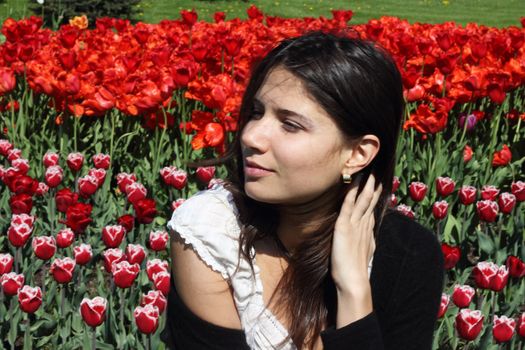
(286, 112)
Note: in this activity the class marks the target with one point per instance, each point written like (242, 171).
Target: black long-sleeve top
(406, 280)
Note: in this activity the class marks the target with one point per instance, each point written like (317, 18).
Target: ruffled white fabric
(208, 222)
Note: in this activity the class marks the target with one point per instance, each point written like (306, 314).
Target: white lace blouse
(208, 222)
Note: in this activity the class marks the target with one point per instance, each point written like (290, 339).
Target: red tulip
(124, 273)
(467, 195)
(50, 159)
(439, 209)
(487, 210)
(417, 191)
(23, 184)
(214, 182)
(83, 253)
(21, 165)
(145, 210)
(469, 323)
(42, 189)
(13, 154)
(125, 179)
(155, 265)
(112, 255)
(518, 189)
(177, 203)
(467, 154)
(483, 273)
(64, 198)
(521, 327)
(78, 217)
(5, 147)
(154, 297)
(174, 177)
(93, 311)
(135, 253)
(54, 176)
(146, 318)
(445, 299)
(19, 219)
(87, 185)
(29, 299)
(21, 203)
(135, 192)
(499, 281)
(395, 184)
(65, 238)
(62, 269)
(506, 202)
(11, 282)
(102, 161)
(502, 157)
(489, 192)
(18, 235)
(462, 295)
(445, 186)
(99, 174)
(127, 221)
(393, 200)
(451, 255)
(158, 240)
(44, 247)
(405, 210)
(113, 235)
(205, 174)
(75, 161)
(161, 280)
(503, 328)
(6, 263)
(515, 265)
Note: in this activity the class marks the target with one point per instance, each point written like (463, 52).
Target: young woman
(299, 249)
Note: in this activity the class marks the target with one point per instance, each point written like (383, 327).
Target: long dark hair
(359, 86)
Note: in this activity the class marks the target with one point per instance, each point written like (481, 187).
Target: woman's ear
(360, 153)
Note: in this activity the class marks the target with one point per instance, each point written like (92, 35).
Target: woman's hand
(353, 243)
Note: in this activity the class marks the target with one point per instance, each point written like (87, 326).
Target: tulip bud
(506, 202)
(467, 195)
(87, 185)
(205, 174)
(451, 255)
(146, 318)
(518, 189)
(483, 273)
(99, 174)
(44, 247)
(11, 282)
(462, 295)
(489, 192)
(445, 298)
(499, 281)
(154, 266)
(93, 311)
(62, 269)
(50, 159)
(113, 235)
(19, 219)
(112, 255)
(467, 154)
(13, 154)
(18, 235)
(6, 263)
(521, 328)
(75, 161)
(177, 203)
(158, 240)
(503, 328)
(393, 200)
(395, 184)
(155, 297)
(515, 265)
(439, 209)
(101, 161)
(417, 191)
(135, 253)
(135, 192)
(5, 147)
(54, 176)
(161, 280)
(83, 253)
(487, 210)
(124, 273)
(42, 189)
(29, 299)
(445, 186)
(469, 323)
(125, 179)
(214, 182)
(65, 238)
(21, 165)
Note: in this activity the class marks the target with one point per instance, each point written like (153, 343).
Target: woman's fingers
(364, 200)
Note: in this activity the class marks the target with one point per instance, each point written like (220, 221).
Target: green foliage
(57, 12)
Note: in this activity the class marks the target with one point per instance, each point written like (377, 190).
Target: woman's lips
(252, 171)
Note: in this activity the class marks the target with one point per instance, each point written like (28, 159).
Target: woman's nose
(255, 134)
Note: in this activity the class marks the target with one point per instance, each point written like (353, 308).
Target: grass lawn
(489, 12)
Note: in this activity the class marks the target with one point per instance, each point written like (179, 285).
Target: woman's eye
(256, 114)
(289, 126)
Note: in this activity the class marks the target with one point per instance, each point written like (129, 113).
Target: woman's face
(294, 139)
